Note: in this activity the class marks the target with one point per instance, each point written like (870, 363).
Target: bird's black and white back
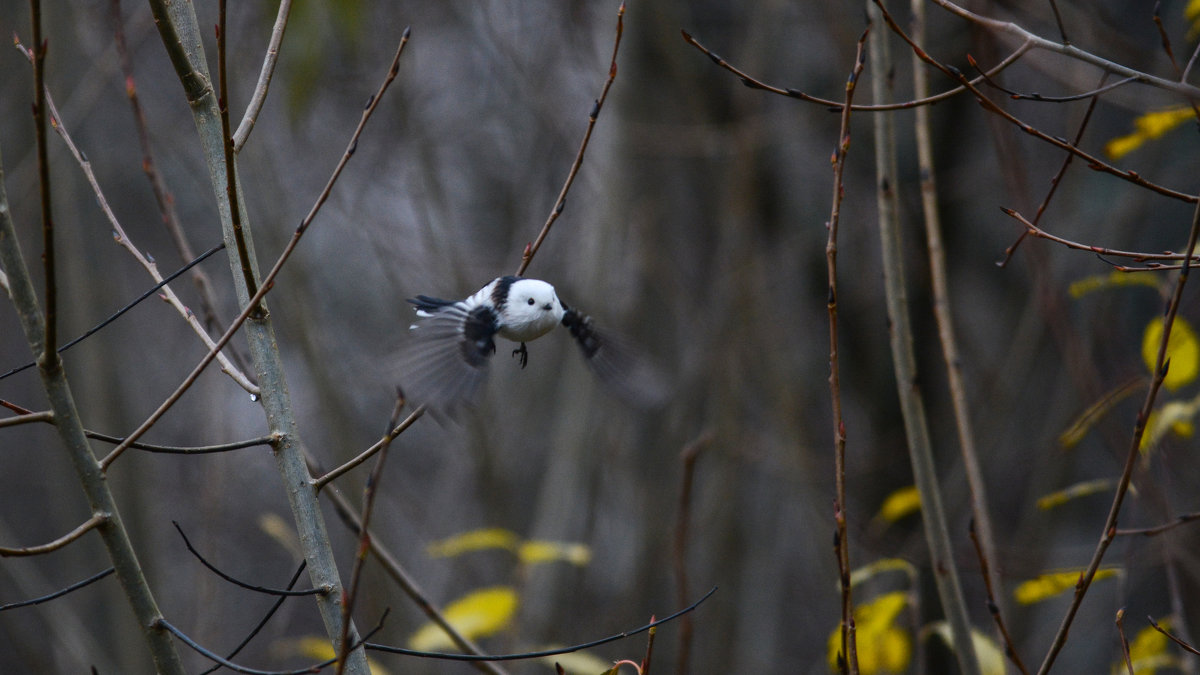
(450, 345)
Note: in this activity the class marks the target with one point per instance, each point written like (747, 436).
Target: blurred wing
(446, 356)
(618, 363)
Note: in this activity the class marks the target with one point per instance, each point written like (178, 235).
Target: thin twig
(943, 309)
(269, 280)
(70, 431)
(237, 582)
(523, 656)
(231, 189)
(1094, 163)
(86, 526)
(391, 565)
(370, 489)
(1066, 49)
(43, 416)
(48, 357)
(366, 454)
(48, 416)
(1159, 529)
(755, 83)
(1068, 158)
(848, 661)
(263, 621)
(532, 249)
(1124, 641)
(217, 658)
(994, 607)
(125, 242)
(162, 195)
(1116, 253)
(60, 592)
(1108, 533)
(687, 457)
(116, 315)
(1174, 639)
(264, 77)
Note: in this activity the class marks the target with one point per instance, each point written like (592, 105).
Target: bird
(451, 344)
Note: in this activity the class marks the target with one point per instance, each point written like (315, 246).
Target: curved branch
(754, 83)
(91, 523)
(1188, 91)
(532, 249)
(264, 77)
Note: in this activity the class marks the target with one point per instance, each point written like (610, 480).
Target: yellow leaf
(319, 649)
(1091, 487)
(1192, 14)
(882, 646)
(281, 531)
(535, 551)
(1095, 412)
(988, 654)
(1183, 351)
(1175, 416)
(1097, 282)
(1148, 653)
(1046, 586)
(1148, 127)
(578, 663)
(900, 503)
(475, 540)
(475, 615)
(870, 570)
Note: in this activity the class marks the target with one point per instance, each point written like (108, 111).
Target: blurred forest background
(696, 226)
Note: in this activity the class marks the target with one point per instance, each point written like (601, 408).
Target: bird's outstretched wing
(617, 362)
(445, 358)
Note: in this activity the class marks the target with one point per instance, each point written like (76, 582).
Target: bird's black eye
(530, 301)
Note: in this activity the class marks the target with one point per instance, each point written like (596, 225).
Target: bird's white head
(530, 310)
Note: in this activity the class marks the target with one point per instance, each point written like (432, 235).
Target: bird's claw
(522, 353)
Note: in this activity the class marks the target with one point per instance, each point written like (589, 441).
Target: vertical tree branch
(943, 310)
(180, 34)
(70, 431)
(849, 663)
(48, 356)
(912, 407)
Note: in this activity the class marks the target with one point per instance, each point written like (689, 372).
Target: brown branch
(1159, 529)
(95, 521)
(381, 444)
(269, 280)
(848, 661)
(26, 418)
(1174, 639)
(1036, 231)
(687, 457)
(532, 249)
(364, 537)
(755, 83)
(264, 77)
(162, 195)
(48, 359)
(1094, 163)
(994, 607)
(1108, 533)
(1124, 641)
(122, 239)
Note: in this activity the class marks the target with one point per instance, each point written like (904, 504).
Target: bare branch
(86, 526)
(755, 83)
(366, 454)
(532, 249)
(264, 77)
(59, 593)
